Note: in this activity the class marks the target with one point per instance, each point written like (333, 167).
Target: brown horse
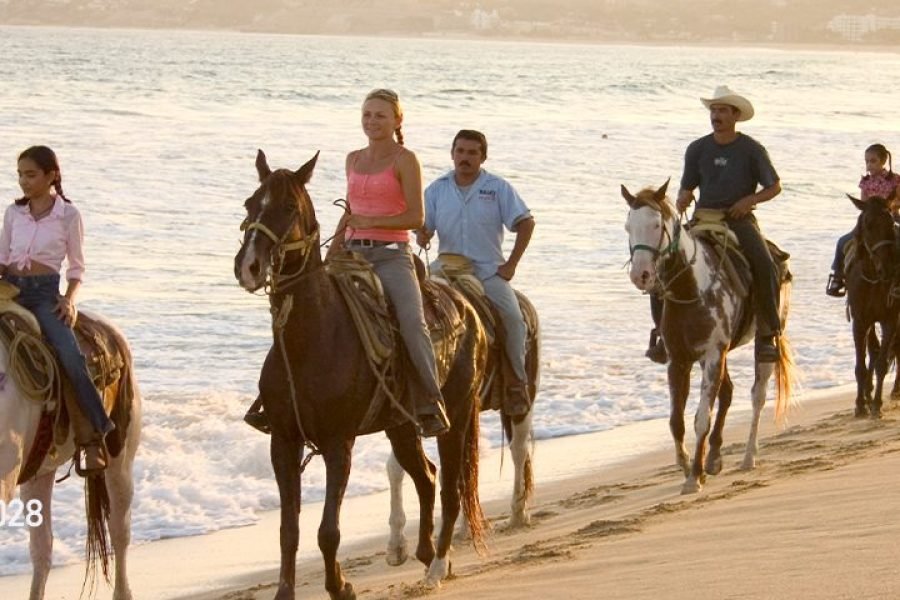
(703, 319)
(871, 283)
(316, 384)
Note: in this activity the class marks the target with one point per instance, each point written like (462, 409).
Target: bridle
(882, 275)
(661, 252)
(278, 281)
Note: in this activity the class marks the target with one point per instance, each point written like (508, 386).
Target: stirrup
(94, 456)
(656, 350)
(835, 286)
(258, 420)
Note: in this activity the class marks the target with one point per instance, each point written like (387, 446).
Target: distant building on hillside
(855, 28)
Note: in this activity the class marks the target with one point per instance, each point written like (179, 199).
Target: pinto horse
(107, 496)
(871, 282)
(703, 319)
(316, 385)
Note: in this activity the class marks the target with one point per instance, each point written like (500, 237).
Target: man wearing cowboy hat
(729, 166)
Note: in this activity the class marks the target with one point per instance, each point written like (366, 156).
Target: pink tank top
(376, 195)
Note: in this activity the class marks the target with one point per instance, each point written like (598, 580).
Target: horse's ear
(629, 198)
(660, 194)
(856, 201)
(305, 172)
(262, 166)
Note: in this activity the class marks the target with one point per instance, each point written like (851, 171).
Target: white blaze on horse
(108, 496)
(705, 314)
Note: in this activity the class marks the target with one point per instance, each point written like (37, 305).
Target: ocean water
(157, 133)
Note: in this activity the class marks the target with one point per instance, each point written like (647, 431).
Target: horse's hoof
(691, 486)
(749, 464)
(860, 412)
(396, 555)
(714, 467)
(518, 521)
(876, 415)
(437, 572)
(346, 593)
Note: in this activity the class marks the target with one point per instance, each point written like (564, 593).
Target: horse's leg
(763, 373)
(337, 456)
(860, 342)
(522, 484)
(411, 456)
(39, 490)
(397, 548)
(714, 459)
(895, 351)
(713, 367)
(679, 388)
(450, 449)
(120, 486)
(285, 453)
(881, 366)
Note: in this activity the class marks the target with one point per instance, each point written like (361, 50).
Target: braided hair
(46, 160)
(389, 96)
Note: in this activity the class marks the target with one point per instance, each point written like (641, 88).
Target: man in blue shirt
(469, 209)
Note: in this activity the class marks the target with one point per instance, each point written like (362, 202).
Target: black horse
(871, 279)
(316, 384)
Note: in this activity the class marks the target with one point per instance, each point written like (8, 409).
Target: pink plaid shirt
(48, 241)
(881, 184)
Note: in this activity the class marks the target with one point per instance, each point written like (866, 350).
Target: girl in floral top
(878, 181)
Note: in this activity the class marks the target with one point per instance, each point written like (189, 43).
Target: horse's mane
(647, 197)
(284, 185)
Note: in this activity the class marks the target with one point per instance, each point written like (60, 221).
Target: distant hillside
(778, 21)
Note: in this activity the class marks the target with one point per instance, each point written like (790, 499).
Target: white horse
(705, 315)
(517, 431)
(19, 420)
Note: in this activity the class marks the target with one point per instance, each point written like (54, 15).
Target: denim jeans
(39, 294)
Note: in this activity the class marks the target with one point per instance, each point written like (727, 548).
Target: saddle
(458, 271)
(710, 226)
(376, 324)
(38, 374)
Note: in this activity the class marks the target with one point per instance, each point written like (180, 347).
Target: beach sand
(816, 519)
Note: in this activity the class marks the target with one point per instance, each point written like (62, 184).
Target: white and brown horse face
(648, 233)
(273, 216)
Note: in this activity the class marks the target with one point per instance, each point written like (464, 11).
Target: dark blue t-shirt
(726, 172)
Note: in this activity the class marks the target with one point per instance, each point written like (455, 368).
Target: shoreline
(241, 563)
(463, 36)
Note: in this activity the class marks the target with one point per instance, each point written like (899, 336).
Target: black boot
(835, 285)
(657, 348)
(256, 418)
(515, 401)
(433, 419)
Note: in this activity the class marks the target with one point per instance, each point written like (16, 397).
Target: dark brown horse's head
(875, 237)
(280, 226)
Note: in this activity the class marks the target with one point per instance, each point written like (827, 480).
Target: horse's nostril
(254, 268)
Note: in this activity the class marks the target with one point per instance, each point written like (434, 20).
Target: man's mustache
(465, 162)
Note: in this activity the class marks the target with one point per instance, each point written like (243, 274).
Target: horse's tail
(471, 503)
(785, 368)
(97, 550)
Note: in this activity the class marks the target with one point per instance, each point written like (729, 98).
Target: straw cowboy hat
(724, 95)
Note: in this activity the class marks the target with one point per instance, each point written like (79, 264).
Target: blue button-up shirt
(472, 224)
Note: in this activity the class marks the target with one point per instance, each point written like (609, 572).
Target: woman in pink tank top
(384, 191)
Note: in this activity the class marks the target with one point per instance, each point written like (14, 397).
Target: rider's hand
(66, 311)
(741, 208)
(423, 237)
(506, 271)
(685, 197)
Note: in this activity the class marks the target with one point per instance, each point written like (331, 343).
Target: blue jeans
(838, 265)
(39, 294)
